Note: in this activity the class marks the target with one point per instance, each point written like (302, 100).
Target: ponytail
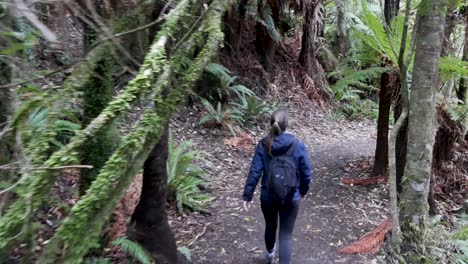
(279, 122)
(275, 130)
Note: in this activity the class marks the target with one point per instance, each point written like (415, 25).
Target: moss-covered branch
(37, 186)
(89, 214)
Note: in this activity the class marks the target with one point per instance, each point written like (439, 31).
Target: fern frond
(340, 89)
(453, 68)
(185, 177)
(185, 252)
(133, 249)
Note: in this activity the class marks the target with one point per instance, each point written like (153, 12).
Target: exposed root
(365, 181)
(371, 242)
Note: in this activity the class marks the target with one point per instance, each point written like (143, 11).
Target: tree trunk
(391, 8)
(418, 170)
(462, 90)
(235, 22)
(97, 93)
(342, 40)
(400, 144)
(450, 22)
(307, 56)
(388, 84)
(265, 45)
(149, 225)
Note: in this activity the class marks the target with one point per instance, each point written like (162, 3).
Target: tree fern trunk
(388, 84)
(418, 170)
(149, 225)
(391, 8)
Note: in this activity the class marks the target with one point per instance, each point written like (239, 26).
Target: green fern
(265, 18)
(249, 110)
(225, 83)
(133, 249)
(351, 78)
(458, 112)
(453, 68)
(185, 252)
(218, 117)
(185, 177)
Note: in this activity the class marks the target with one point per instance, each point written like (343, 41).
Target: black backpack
(282, 176)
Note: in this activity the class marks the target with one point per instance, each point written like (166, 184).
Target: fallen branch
(199, 235)
(365, 181)
(371, 242)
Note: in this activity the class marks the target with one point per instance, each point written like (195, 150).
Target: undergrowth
(445, 245)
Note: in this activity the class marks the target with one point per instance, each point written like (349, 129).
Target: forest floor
(333, 215)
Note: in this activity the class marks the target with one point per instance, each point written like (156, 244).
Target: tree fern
(133, 249)
(355, 78)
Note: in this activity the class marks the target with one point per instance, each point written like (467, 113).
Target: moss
(35, 187)
(97, 93)
(90, 213)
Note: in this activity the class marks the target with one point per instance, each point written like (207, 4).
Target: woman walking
(282, 163)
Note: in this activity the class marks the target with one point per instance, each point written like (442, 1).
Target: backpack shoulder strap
(292, 148)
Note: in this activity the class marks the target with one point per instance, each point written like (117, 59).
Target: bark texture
(418, 170)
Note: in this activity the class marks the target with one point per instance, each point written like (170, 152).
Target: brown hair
(279, 122)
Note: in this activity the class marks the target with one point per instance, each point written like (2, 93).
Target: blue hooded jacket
(261, 162)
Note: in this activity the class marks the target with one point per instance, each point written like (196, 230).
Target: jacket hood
(281, 143)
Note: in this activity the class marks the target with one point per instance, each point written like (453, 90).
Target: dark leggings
(287, 217)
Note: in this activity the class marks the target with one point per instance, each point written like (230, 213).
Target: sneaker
(270, 257)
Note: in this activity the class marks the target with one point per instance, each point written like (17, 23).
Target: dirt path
(333, 215)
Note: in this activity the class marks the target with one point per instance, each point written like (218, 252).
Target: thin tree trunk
(463, 88)
(450, 22)
(149, 225)
(388, 86)
(388, 83)
(342, 40)
(418, 170)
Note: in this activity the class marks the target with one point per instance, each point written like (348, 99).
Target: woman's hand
(247, 206)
